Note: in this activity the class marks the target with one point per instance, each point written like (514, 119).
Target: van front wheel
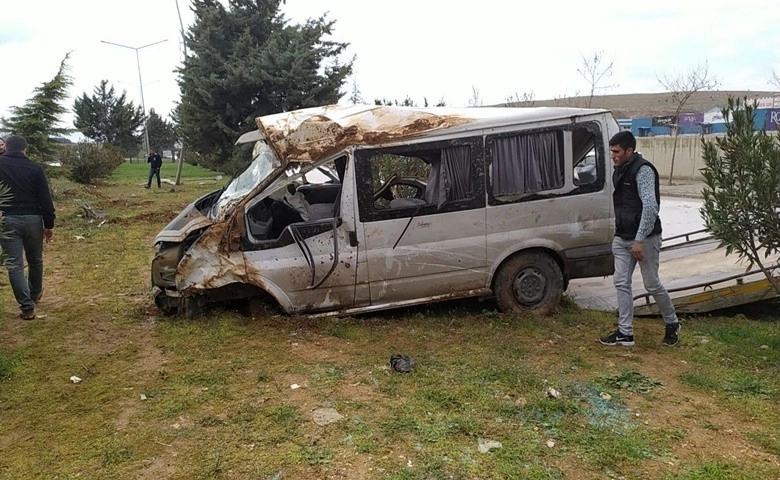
(529, 283)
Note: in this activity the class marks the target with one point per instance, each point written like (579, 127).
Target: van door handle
(353, 240)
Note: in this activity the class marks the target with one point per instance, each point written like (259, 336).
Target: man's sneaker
(672, 331)
(617, 338)
(27, 315)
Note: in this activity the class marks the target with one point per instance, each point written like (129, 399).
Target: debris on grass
(401, 363)
(486, 445)
(75, 379)
(326, 416)
(553, 393)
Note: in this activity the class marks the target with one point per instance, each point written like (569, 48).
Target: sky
(423, 49)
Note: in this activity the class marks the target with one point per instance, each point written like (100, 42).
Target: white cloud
(433, 48)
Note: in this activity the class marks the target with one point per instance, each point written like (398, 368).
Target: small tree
(682, 87)
(524, 100)
(38, 118)
(476, 99)
(109, 118)
(595, 72)
(162, 135)
(87, 162)
(775, 79)
(742, 189)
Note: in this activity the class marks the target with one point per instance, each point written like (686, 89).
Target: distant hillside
(648, 104)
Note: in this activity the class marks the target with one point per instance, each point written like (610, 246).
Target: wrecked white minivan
(350, 209)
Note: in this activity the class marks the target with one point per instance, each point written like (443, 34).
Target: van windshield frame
(265, 163)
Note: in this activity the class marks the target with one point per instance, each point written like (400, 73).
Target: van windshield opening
(264, 162)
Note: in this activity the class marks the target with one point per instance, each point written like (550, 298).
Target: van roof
(312, 134)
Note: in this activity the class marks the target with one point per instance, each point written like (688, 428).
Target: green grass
(139, 170)
(211, 397)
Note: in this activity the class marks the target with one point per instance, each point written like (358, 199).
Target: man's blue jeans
(23, 239)
(624, 271)
(153, 171)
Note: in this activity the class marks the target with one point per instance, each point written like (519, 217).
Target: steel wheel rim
(529, 286)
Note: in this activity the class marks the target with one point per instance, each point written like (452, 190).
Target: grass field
(214, 397)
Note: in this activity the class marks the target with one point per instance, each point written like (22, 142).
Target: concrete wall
(687, 160)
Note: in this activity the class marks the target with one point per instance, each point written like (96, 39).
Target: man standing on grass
(28, 220)
(636, 199)
(155, 162)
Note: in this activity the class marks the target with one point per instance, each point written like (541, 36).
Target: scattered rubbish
(326, 416)
(143, 396)
(605, 396)
(401, 363)
(75, 379)
(295, 386)
(764, 347)
(79, 237)
(486, 445)
(553, 393)
(93, 213)
(550, 443)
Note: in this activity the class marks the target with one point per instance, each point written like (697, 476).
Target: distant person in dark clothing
(28, 220)
(155, 162)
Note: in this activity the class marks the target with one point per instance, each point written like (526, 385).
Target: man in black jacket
(28, 220)
(636, 199)
(155, 162)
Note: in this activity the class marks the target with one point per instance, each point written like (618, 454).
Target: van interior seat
(318, 211)
(319, 193)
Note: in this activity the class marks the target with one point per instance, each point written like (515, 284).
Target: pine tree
(244, 61)
(107, 118)
(37, 120)
(162, 135)
(742, 189)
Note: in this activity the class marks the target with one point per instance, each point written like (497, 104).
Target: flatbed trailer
(696, 272)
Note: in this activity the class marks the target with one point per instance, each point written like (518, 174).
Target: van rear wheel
(529, 283)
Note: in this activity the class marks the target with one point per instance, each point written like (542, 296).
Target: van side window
(528, 163)
(418, 179)
(545, 163)
(584, 156)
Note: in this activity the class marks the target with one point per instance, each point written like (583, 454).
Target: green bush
(87, 162)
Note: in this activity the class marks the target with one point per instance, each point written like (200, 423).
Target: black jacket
(29, 188)
(628, 205)
(155, 160)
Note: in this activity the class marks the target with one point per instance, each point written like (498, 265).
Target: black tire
(530, 283)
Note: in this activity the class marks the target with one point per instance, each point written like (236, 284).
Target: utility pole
(184, 46)
(141, 83)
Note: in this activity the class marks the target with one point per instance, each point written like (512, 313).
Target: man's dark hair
(625, 139)
(15, 144)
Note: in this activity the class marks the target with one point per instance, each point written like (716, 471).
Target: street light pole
(141, 84)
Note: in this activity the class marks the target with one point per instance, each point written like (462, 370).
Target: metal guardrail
(687, 237)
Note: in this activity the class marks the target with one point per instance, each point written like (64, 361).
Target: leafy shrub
(87, 162)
